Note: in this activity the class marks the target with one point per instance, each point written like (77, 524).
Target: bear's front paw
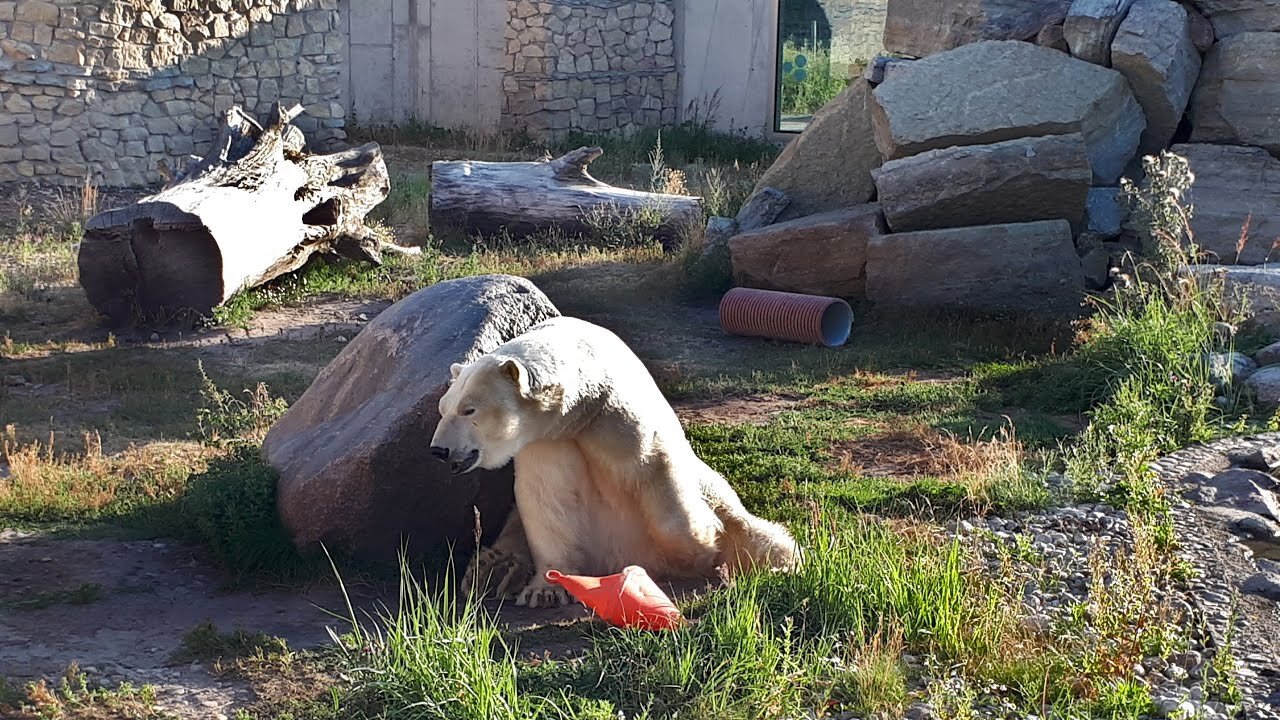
(493, 573)
(541, 594)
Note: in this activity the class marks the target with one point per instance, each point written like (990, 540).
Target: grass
(868, 452)
(85, 594)
(810, 83)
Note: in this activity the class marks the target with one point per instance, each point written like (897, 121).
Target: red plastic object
(786, 316)
(629, 599)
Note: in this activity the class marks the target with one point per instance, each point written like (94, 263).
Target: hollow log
(520, 199)
(255, 208)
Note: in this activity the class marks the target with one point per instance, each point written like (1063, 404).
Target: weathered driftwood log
(255, 208)
(524, 198)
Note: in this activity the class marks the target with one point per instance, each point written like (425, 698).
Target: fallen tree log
(520, 199)
(255, 208)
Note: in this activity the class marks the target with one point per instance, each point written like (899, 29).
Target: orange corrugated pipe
(786, 316)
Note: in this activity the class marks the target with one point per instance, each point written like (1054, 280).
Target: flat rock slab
(822, 254)
(1020, 180)
(828, 167)
(1153, 50)
(994, 91)
(1090, 27)
(1024, 267)
(1247, 490)
(1234, 186)
(353, 452)
(1237, 94)
(1232, 17)
(924, 27)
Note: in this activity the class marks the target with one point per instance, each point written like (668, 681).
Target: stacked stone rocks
(593, 65)
(995, 156)
(107, 89)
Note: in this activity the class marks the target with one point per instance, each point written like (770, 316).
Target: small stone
(340, 339)
(14, 380)
(155, 337)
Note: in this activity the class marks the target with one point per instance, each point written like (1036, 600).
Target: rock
(14, 381)
(1247, 490)
(1202, 33)
(1235, 98)
(352, 452)
(828, 167)
(1095, 265)
(1051, 36)
(822, 254)
(1245, 524)
(999, 91)
(1265, 386)
(924, 27)
(1265, 459)
(1023, 267)
(1020, 180)
(1153, 50)
(715, 244)
(1090, 27)
(883, 67)
(1234, 185)
(1104, 214)
(1269, 355)
(1229, 369)
(1262, 584)
(1233, 17)
(762, 208)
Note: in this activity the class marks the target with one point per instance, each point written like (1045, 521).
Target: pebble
(340, 339)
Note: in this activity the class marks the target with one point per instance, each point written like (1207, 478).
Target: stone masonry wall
(108, 88)
(594, 65)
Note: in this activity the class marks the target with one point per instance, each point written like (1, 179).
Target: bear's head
(487, 414)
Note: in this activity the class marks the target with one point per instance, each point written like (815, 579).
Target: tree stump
(255, 208)
(526, 198)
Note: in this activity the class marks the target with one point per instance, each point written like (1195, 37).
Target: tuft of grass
(73, 697)
(85, 594)
(204, 643)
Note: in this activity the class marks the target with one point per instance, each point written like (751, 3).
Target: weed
(238, 650)
(73, 697)
(225, 420)
(85, 594)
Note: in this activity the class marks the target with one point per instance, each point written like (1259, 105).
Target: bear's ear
(455, 370)
(512, 369)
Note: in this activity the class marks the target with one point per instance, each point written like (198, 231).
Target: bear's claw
(540, 594)
(493, 573)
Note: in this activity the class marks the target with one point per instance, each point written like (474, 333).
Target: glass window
(822, 45)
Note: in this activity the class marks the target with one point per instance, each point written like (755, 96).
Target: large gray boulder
(1233, 186)
(1153, 50)
(822, 254)
(1264, 385)
(924, 27)
(1232, 17)
(828, 167)
(1236, 97)
(1007, 182)
(1025, 267)
(993, 91)
(353, 452)
(1246, 490)
(1090, 27)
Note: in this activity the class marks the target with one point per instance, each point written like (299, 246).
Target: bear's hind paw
(540, 594)
(493, 573)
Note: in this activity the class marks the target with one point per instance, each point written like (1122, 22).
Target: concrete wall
(108, 88)
(727, 57)
(439, 62)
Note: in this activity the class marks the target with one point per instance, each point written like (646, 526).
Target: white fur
(604, 475)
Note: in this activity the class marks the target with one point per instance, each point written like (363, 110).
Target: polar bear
(604, 475)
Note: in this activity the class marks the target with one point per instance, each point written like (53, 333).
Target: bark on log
(256, 207)
(525, 198)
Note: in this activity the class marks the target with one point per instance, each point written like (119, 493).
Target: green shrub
(231, 508)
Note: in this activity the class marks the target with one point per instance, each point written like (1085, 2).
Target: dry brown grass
(922, 451)
(45, 483)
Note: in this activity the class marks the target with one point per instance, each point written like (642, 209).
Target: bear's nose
(440, 453)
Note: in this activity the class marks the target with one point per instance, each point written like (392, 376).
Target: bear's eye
(469, 411)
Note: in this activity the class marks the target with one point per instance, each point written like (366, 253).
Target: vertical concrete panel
(372, 77)
(370, 22)
(491, 53)
(404, 50)
(729, 47)
(453, 63)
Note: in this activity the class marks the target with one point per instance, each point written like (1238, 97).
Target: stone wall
(594, 65)
(108, 88)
